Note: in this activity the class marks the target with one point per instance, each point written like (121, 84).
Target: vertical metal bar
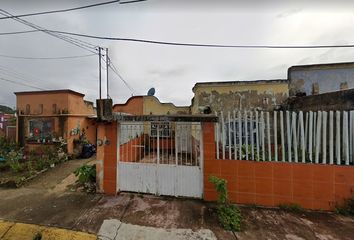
(310, 135)
(240, 134)
(252, 134)
(235, 145)
(288, 134)
(282, 138)
(246, 135)
(318, 136)
(217, 138)
(158, 144)
(302, 136)
(351, 134)
(257, 136)
(294, 136)
(223, 135)
(314, 129)
(345, 138)
(275, 129)
(229, 132)
(338, 157)
(262, 136)
(176, 142)
(331, 145)
(306, 129)
(324, 137)
(268, 138)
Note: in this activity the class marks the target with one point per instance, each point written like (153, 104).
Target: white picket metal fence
(322, 137)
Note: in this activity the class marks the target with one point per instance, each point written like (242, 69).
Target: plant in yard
(229, 214)
(347, 207)
(86, 177)
(291, 207)
(14, 158)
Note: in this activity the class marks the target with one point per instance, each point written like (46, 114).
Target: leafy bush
(14, 159)
(291, 207)
(347, 207)
(86, 177)
(229, 215)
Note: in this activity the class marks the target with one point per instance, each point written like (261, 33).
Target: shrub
(229, 215)
(86, 177)
(347, 207)
(291, 207)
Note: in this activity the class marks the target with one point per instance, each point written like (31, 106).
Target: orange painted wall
(130, 152)
(86, 124)
(110, 160)
(313, 186)
(133, 106)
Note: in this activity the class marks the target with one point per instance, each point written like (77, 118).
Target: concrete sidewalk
(22, 231)
(116, 230)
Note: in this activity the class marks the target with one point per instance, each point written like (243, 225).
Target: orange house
(46, 117)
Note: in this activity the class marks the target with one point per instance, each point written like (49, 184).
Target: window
(40, 129)
(163, 127)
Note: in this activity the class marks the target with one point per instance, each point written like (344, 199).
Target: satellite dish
(151, 92)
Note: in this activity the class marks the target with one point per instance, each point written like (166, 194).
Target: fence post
(235, 145)
(338, 138)
(275, 136)
(345, 138)
(324, 142)
(217, 138)
(282, 136)
(318, 136)
(288, 134)
(268, 138)
(240, 133)
(246, 135)
(257, 135)
(262, 136)
(229, 133)
(223, 135)
(331, 137)
(310, 135)
(252, 135)
(294, 136)
(302, 135)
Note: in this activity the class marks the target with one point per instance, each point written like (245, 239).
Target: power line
(72, 9)
(76, 42)
(46, 58)
(21, 76)
(183, 44)
(115, 71)
(19, 83)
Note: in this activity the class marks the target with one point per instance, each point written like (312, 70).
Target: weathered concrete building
(315, 79)
(239, 95)
(45, 117)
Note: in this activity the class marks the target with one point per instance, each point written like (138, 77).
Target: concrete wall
(340, 100)
(322, 78)
(228, 96)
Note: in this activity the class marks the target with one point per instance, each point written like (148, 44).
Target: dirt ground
(47, 201)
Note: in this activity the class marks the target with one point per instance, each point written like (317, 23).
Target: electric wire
(21, 76)
(71, 9)
(20, 83)
(46, 58)
(71, 40)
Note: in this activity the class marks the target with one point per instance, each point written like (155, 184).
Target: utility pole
(107, 65)
(99, 71)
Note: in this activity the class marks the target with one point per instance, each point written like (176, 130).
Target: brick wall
(313, 186)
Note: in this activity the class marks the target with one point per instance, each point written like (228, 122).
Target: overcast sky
(172, 70)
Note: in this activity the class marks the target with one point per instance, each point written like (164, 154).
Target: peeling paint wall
(311, 80)
(231, 96)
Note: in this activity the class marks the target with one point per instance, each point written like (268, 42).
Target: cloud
(289, 12)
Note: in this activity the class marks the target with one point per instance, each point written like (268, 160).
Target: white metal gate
(163, 158)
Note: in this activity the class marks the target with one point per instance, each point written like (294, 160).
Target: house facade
(8, 126)
(47, 117)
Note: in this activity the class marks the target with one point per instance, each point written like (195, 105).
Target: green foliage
(291, 207)
(14, 159)
(6, 109)
(229, 215)
(86, 177)
(347, 207)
